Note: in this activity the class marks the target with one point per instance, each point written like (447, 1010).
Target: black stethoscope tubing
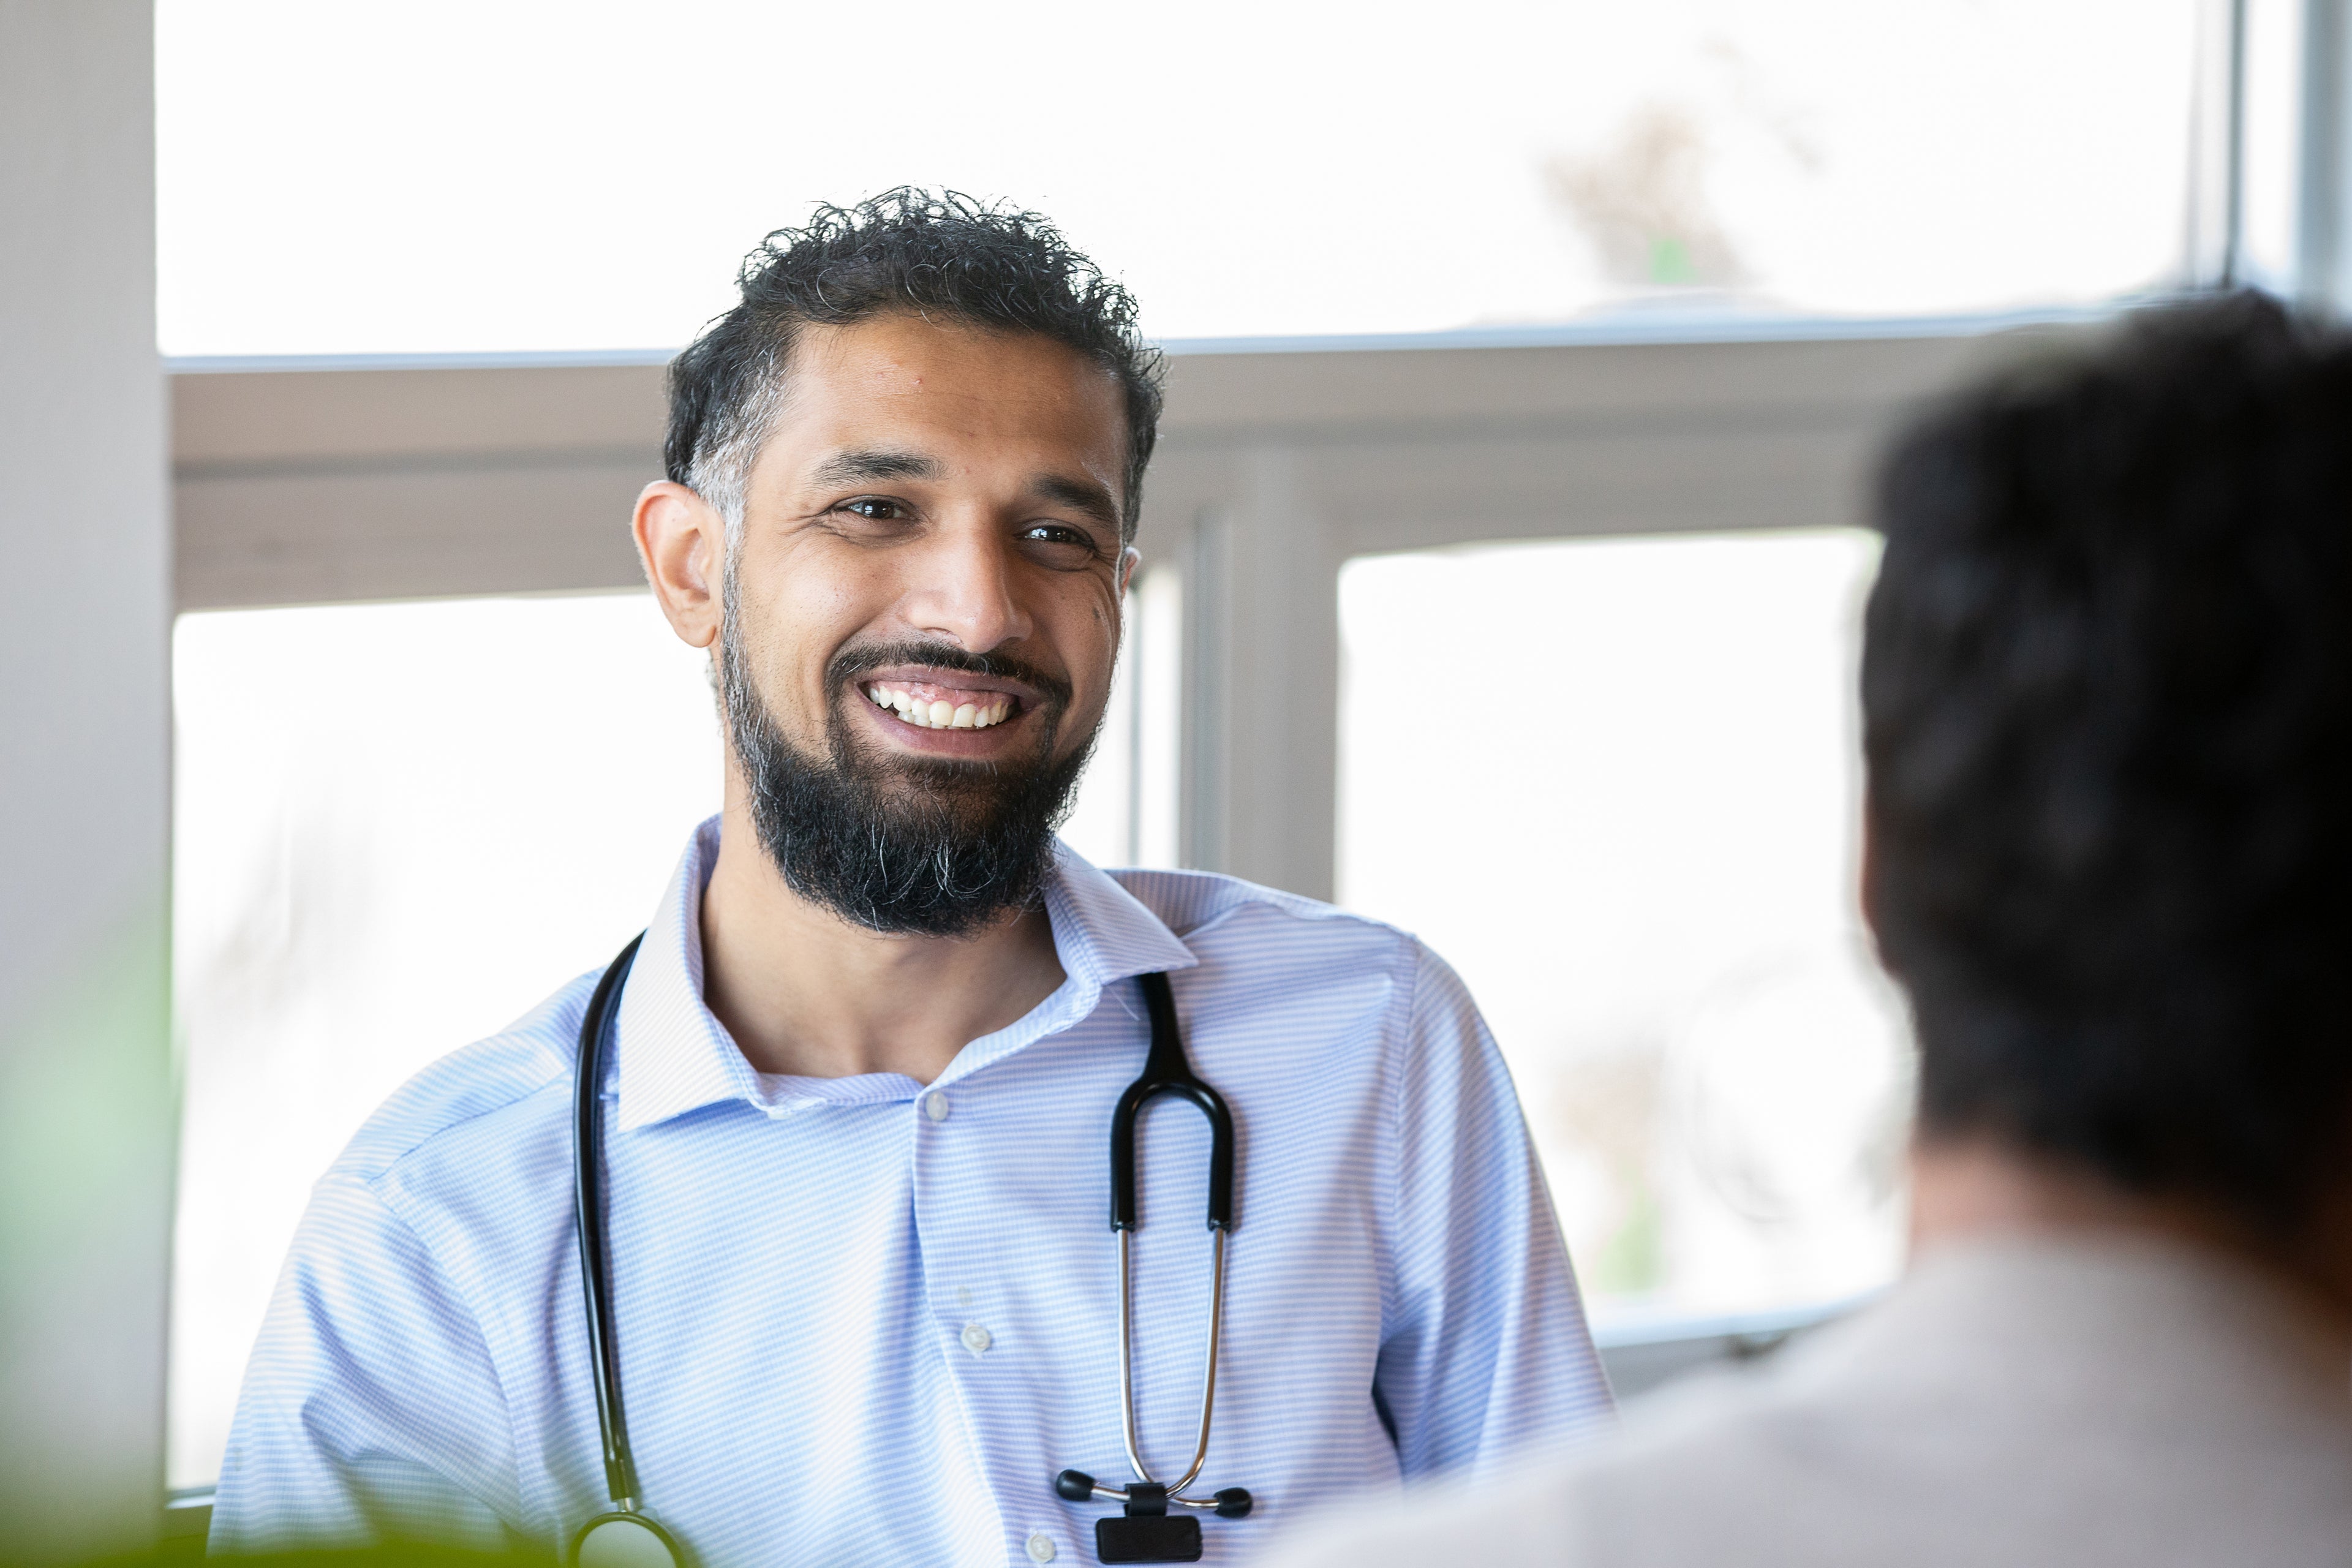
(1166, 1071)
(625, 1516)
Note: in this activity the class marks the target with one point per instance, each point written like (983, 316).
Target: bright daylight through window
(1635, 836)
(372, 795)
(446, 176)
(1636, 843)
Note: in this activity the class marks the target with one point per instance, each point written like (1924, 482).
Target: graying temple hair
(720, 471)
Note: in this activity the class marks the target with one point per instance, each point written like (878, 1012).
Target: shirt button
(1041, 1547)
(935, 1106)
(977, 1338)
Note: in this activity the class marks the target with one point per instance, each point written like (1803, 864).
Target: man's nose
(966, 586)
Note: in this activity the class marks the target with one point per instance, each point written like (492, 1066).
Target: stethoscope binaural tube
(1165, 1071)
(624, 1536)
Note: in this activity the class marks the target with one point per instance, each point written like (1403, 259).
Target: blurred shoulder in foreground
(2109, 1401)
(2106, 691)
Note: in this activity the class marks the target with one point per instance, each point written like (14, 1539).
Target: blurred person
(2107, 704)
(841, 1174)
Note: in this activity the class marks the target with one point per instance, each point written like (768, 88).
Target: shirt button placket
(1041, 1547)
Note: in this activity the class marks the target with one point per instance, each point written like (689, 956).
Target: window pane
(398, 827)
(454, 176)
(1124, 812)
(1615, 783)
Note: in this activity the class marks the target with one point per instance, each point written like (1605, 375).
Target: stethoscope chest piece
(1147, 1532)
(621, 1540)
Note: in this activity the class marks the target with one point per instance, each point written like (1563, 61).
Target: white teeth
(940, 715)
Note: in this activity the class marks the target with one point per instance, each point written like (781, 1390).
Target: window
(398, 827)
(372, 792)
(1615, 782)
(445, 177)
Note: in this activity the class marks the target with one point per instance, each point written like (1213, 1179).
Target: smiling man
(845, 1152)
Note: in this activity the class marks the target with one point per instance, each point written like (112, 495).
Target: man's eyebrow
(856, 467)
(1083, 495)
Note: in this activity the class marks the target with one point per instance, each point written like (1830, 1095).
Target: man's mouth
(933, 707)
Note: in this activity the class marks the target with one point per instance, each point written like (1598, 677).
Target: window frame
(337, 481)
(301, 482)
(359, 479)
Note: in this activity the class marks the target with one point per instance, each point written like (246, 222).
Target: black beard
(906, 847)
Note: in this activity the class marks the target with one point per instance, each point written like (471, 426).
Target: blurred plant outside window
(397, 828)
(1616, 784)
(453, 175)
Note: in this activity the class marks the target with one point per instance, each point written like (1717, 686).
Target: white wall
(85, 606)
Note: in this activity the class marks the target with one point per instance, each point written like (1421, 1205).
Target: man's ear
(1129, 560)
(682, 542)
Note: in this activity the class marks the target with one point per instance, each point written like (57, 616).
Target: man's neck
(806, 992)
(1970, 1189)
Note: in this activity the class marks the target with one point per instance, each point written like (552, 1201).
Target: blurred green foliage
(183, 1550)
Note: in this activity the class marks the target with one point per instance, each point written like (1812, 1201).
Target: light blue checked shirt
(861, 1321)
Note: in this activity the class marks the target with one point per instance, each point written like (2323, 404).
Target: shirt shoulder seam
(385, 1164)
(1289, 905)
(1400, 1030)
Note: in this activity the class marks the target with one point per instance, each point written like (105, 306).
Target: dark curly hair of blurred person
(2108, 708)
(942, 256)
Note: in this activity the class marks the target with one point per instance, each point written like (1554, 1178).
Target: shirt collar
(674, 1056)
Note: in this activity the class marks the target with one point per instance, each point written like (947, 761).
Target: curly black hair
(2107, 706)
(943, 256)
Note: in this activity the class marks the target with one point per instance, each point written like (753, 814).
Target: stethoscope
(627, 1536)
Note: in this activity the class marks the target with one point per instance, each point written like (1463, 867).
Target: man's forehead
(900, 357)
(931, 391)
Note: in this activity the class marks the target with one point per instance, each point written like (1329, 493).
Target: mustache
(850, 663)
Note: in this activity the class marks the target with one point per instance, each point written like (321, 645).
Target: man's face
(923, 608)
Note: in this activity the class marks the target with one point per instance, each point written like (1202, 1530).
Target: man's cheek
(797, 678)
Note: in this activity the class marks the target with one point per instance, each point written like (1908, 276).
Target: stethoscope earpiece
(1076, 1486)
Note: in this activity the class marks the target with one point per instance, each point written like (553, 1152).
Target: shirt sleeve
(371, 1409)
(1488, 1352)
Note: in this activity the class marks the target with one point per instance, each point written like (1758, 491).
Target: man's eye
(874, 509)
(1060, 547)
